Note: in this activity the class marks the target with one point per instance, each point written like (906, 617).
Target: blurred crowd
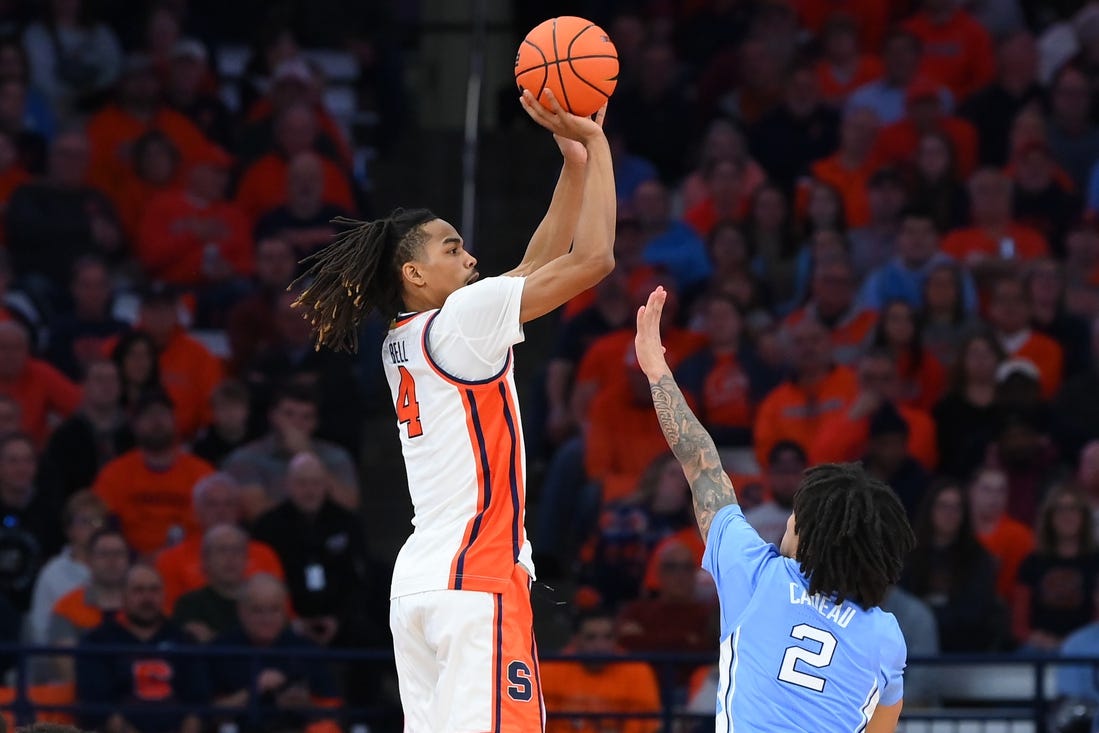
(879, 226)
(878, 223)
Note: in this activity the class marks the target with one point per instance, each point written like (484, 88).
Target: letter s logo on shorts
(520, 682)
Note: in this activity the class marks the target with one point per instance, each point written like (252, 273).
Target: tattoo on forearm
(695, 449)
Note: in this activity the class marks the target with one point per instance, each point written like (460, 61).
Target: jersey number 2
(819, 660)
(408, 408)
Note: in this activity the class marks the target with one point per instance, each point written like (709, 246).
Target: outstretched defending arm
(592, 255)
(555, 233)
(689, 441)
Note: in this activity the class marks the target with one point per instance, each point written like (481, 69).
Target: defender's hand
(650, 351)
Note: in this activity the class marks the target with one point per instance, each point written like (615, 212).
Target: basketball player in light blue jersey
(804, 644)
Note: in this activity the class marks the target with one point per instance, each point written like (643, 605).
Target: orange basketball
(571, 57)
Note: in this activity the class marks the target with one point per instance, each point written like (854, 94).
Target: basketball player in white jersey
(460, 611)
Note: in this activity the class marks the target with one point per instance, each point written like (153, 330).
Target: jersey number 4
(408, 408)
(817, 660)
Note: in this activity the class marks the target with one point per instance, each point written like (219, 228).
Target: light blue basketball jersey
(790, 661)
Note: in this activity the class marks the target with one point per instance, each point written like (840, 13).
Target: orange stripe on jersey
(491, 541)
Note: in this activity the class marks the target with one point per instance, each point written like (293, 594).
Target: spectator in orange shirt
(842, 68)
(923, 377)
(993, 241)
(849, 169)
(598, 686)
(149, 488)
(818, 388)
(85, 607)
(718, 379)
(43, 393)
(188, 371)
(192, 236)
(154, 169)
(305, 220)
(833, 303)
(924, 113)
(726, 196)
(1006, 539)
(214, 501)
(957, 50)
(137, 109)
(262, 187)
(1009, 316)
(844, 435)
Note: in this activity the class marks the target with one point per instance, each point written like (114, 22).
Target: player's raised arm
(689, 441)
(592, 255)
(555, 233)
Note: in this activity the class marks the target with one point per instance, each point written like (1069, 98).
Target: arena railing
(989, 693)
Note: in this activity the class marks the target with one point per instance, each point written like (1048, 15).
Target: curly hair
(853, 535)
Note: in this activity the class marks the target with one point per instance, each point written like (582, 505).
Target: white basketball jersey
(462, 439)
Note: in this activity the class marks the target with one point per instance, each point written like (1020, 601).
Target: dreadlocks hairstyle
(853, 534)
(359, 272)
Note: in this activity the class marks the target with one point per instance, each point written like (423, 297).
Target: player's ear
(412, 275)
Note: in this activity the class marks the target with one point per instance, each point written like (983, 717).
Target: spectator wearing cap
(263, 186)
(887, 458)
(994, 240)
(215, 502)
(149, 487)
(194, 237)
(957, 50)
(30, 528)
(803, 128)
(1009, 315)
(842, 68)
(904, 276)
(1073, 136)
(293, 82)
(78, 335)
(188, 371)
(993, 108)
(1042, 199)
(886, 95)
(850, 167)
(136, 109)
(189, 89)
(70, 55)
(93, 435)
(41, 390)
(50, 223)
(1075, 409)
(786, 462)
(816, 389)
(305, 220)
(924, 113)
(845, 434)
